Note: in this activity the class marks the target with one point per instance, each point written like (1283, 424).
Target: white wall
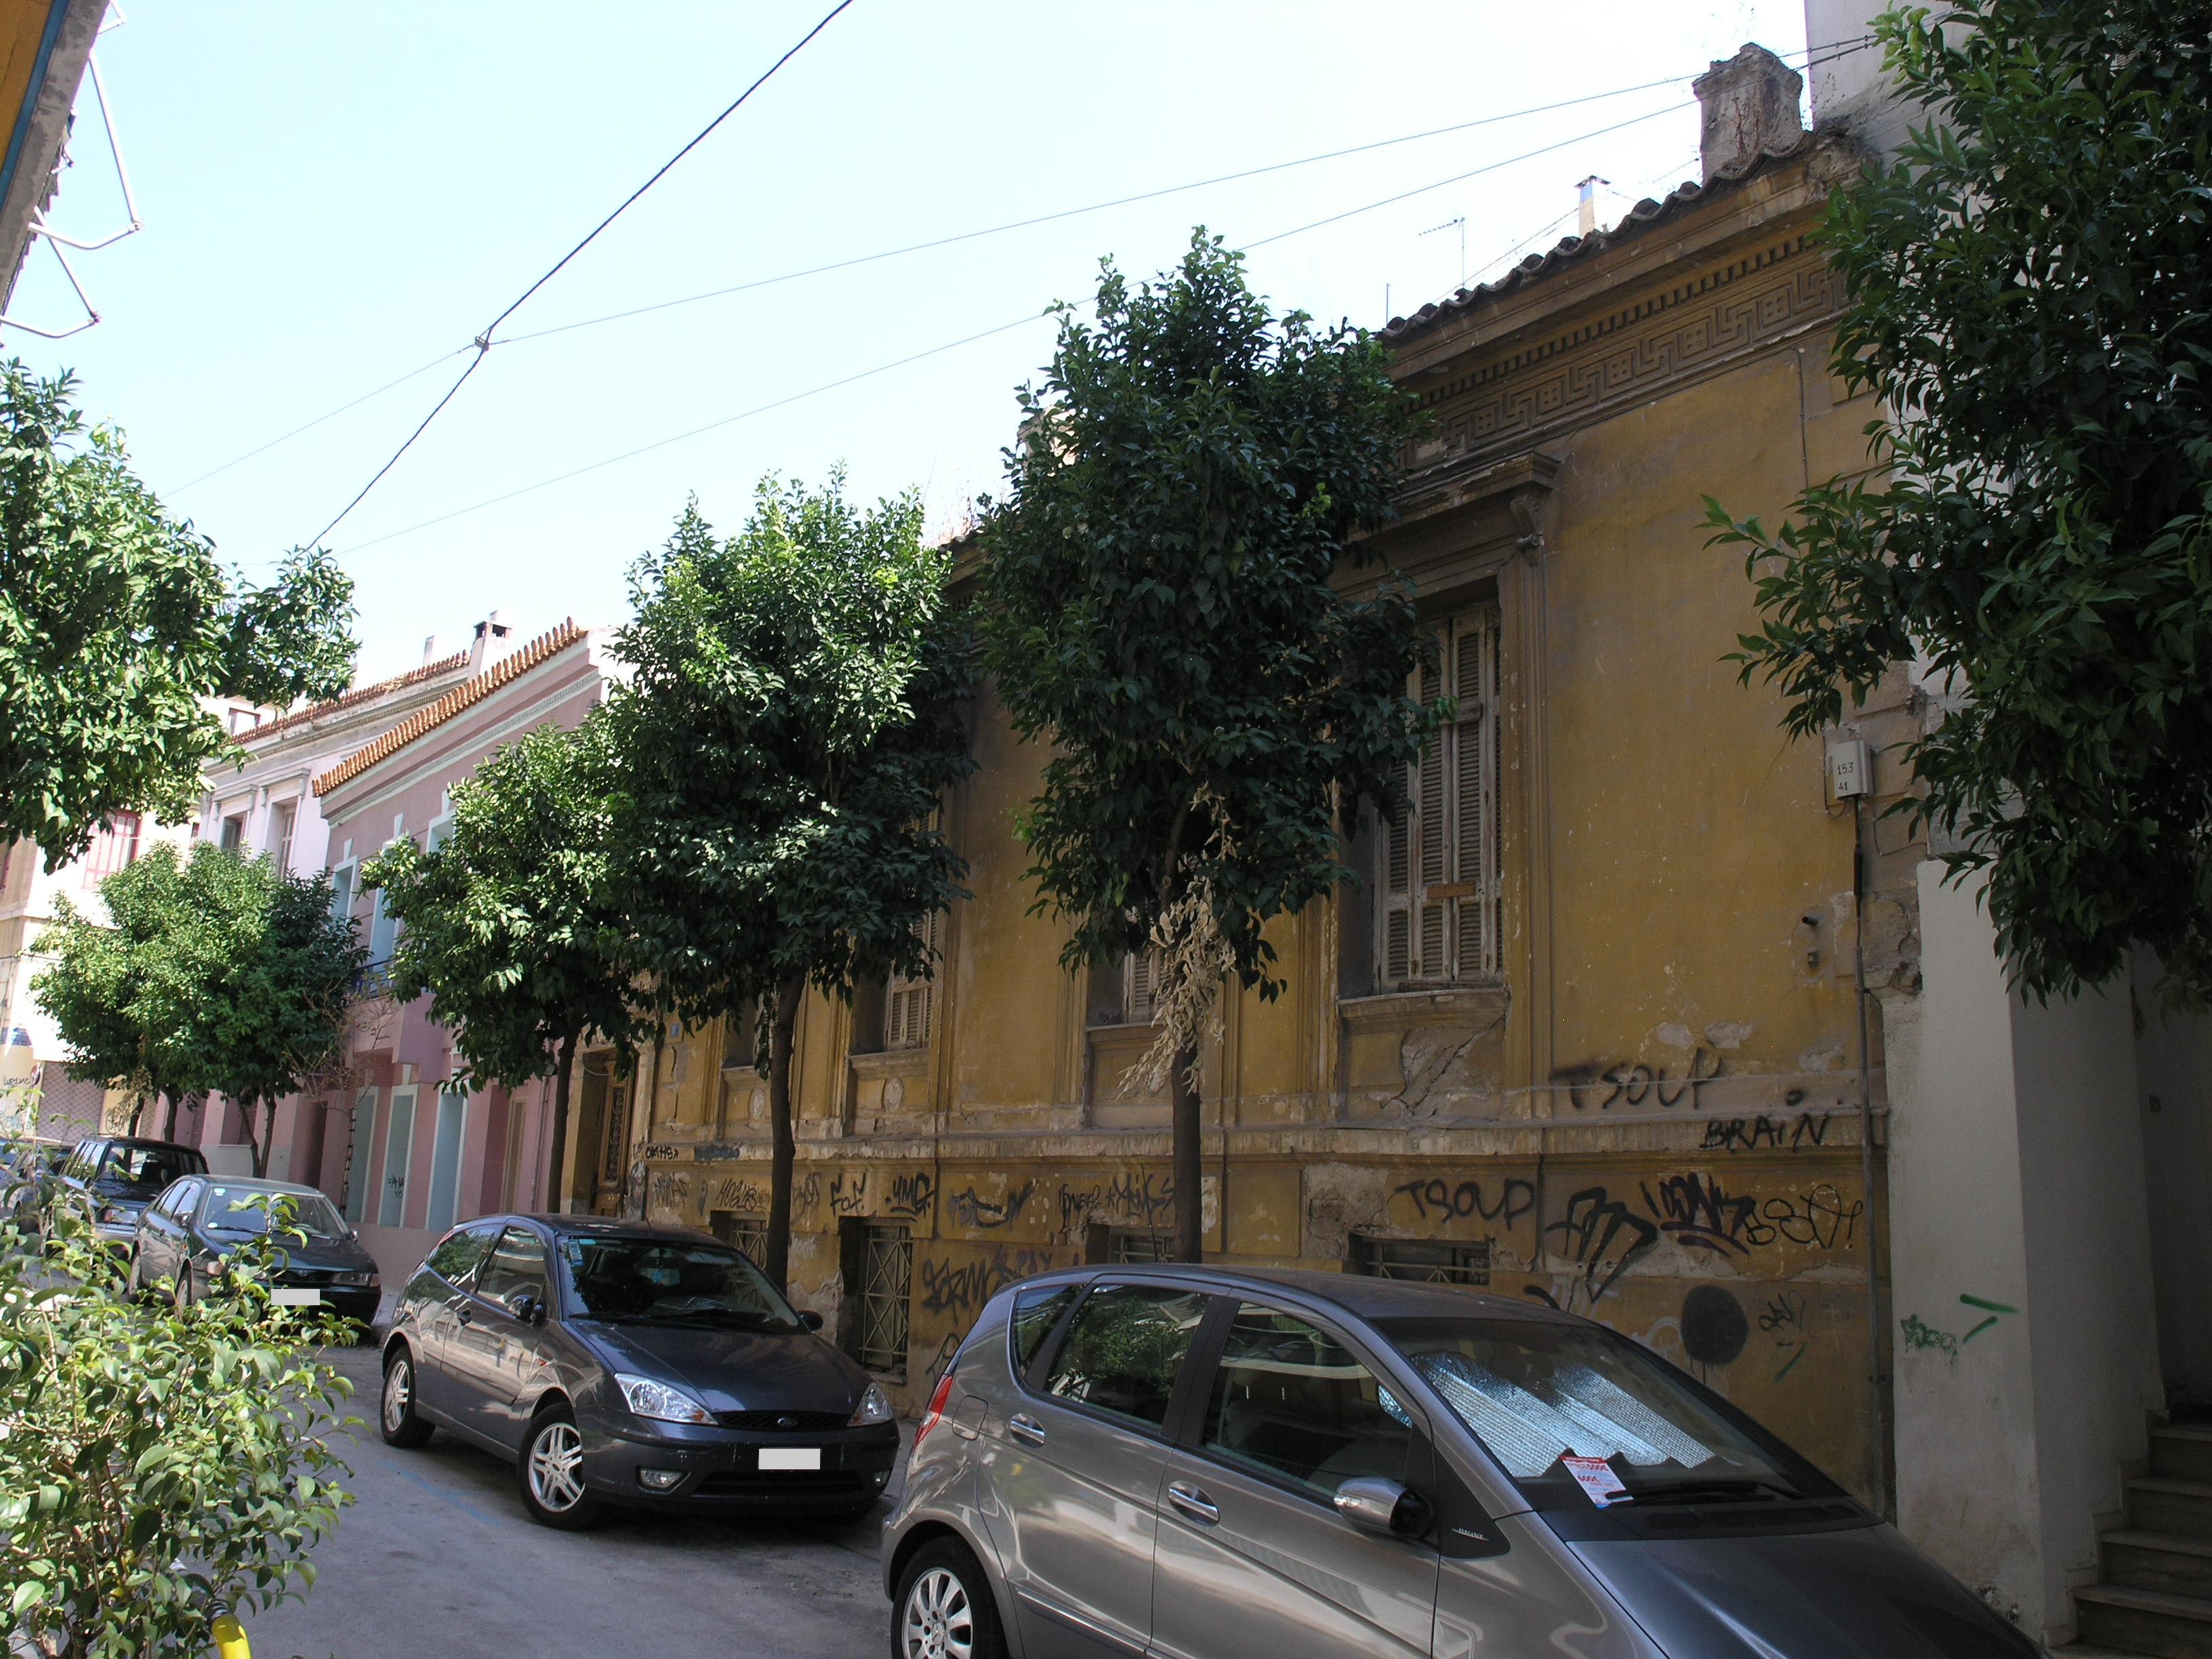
(2026, 1346)
(2173, 1059)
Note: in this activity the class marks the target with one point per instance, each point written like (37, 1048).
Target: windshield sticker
(1596, 1478)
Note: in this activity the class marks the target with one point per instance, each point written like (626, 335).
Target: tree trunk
(137, 1111)
(246, 1122)
(555, 1201)
(169, 1123)
(783, 1151)
(1190, 1184)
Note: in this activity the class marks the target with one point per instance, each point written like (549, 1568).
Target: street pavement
(436, 1558)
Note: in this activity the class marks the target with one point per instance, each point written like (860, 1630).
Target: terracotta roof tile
(542, 648)
(1641, 218)
(359, 695)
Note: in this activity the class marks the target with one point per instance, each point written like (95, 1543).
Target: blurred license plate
(284, 1298)
(791, 1457)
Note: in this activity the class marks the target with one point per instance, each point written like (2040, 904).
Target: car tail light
(929, 1418)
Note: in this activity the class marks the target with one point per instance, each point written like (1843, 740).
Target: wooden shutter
(907, 1001)
(1439, 922)
(1140, 979)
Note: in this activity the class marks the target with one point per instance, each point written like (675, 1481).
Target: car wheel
(402, 1424)
(181, 1292)
(551, 1473)
(944, 1606)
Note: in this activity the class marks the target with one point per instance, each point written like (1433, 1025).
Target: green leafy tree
(1161, 611)
(512, 924)
(158, 1466)
(116, 621)
(222, 973)
(787, 730)
(2030, 297)
(98, 989)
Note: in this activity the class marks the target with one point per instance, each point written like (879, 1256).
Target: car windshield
(154, 1167)
(662, 1281)
(1578, 1416)
(231, 1210)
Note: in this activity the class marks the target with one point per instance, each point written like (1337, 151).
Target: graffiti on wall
(960, 1287)
(1920, 1334)
(972, 1209)
(1595, 1086)
(849, 1191)
(735, 1193)
(1784, 1321)
(1147, 1200)
(1737, 1134)
(669, 1192)
(911, 1195)
(1439, 1198)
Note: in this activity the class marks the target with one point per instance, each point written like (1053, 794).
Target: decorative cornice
(463, 695)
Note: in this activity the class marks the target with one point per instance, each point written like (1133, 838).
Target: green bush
(158, 1465)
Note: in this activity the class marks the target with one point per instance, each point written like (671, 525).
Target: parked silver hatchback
(1211, 1464)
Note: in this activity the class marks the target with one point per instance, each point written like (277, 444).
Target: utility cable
(484, 341)
(1855, 44)
(969, 339)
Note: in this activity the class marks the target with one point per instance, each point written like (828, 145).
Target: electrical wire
(1855, 44)
(969, 339)
(482, 341)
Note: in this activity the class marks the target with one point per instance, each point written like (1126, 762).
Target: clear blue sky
(334, 194)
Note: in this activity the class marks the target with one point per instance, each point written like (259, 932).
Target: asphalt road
(436, 1558)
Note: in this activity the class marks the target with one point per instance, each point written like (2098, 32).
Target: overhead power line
(988, 230)
(969, 339)
(483, 341)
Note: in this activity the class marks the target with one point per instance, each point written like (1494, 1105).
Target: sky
(336, 196)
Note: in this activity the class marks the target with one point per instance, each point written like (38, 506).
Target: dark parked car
(618, 1363)
(30, 1169)
(1219, 1463)
(120, 1175)
(186, 1233)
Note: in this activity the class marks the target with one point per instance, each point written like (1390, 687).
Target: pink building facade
(404, 1152)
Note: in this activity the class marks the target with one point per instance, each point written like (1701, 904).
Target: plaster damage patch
(1338, 1198)
(1676, 1036)
(1727, 1033)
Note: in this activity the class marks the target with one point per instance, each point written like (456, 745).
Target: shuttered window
(1438, 921)
(906, 1002)
(1140, 979)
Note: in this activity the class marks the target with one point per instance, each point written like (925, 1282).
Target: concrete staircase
(2156, 1596)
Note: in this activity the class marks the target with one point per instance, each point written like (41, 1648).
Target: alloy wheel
(938, 1622)
(398, 1394)
(555, 1455)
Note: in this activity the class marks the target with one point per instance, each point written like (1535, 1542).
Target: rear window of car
(149, 1166)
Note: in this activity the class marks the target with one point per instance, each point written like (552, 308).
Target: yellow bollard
(230, 1638)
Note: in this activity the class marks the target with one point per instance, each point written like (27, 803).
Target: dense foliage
(512, 922)
(2030, 298)
(159, 1465)
(116, 621)
(1161, 613)
(788, 726)
(218, 972)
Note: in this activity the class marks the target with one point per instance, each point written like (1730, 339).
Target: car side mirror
(529, 1310)
(1383, 1507)
(811, 1319)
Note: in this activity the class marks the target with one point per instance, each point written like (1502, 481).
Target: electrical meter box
(1849, 775)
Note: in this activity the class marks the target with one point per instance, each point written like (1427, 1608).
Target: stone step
(2157, 1504)
(2172, 1562)
(2182, 1451)
(2145, 1621)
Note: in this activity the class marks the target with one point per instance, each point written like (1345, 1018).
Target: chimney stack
(1586, 205)
(1749, 109)
(432, 648)
(494, 640)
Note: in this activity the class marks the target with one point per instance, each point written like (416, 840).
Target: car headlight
(657, 1399)
(358, 1276)
(875, 1407)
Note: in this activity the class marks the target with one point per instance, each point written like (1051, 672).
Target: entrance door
(1253, 1562)
(398, 1156)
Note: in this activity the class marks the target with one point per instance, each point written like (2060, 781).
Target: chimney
(494, 640)
(1749, 107)
(1586, 205)
(432, 648)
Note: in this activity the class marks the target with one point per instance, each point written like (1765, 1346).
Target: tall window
(907, 1001)
(1140, 982)
(282, 816)
(1437, 1261)
(115, 846)
(342, 891)
(383, 933)
(747, 1233)
(886, 1286)
(1438, 920)
(234, 832)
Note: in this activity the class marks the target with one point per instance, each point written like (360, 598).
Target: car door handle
(1193, 1502)
(1024, 1427)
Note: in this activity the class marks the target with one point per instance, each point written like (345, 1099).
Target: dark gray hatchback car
(619, 1362)
(1208, 1463)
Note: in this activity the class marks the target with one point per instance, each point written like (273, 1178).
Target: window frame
(910, 1001)
(731, 1226)
(549, 1287)
(1419, 1431)
(1205, 1348)
(1446, 795)
(1366, 1247)
(98, 861)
